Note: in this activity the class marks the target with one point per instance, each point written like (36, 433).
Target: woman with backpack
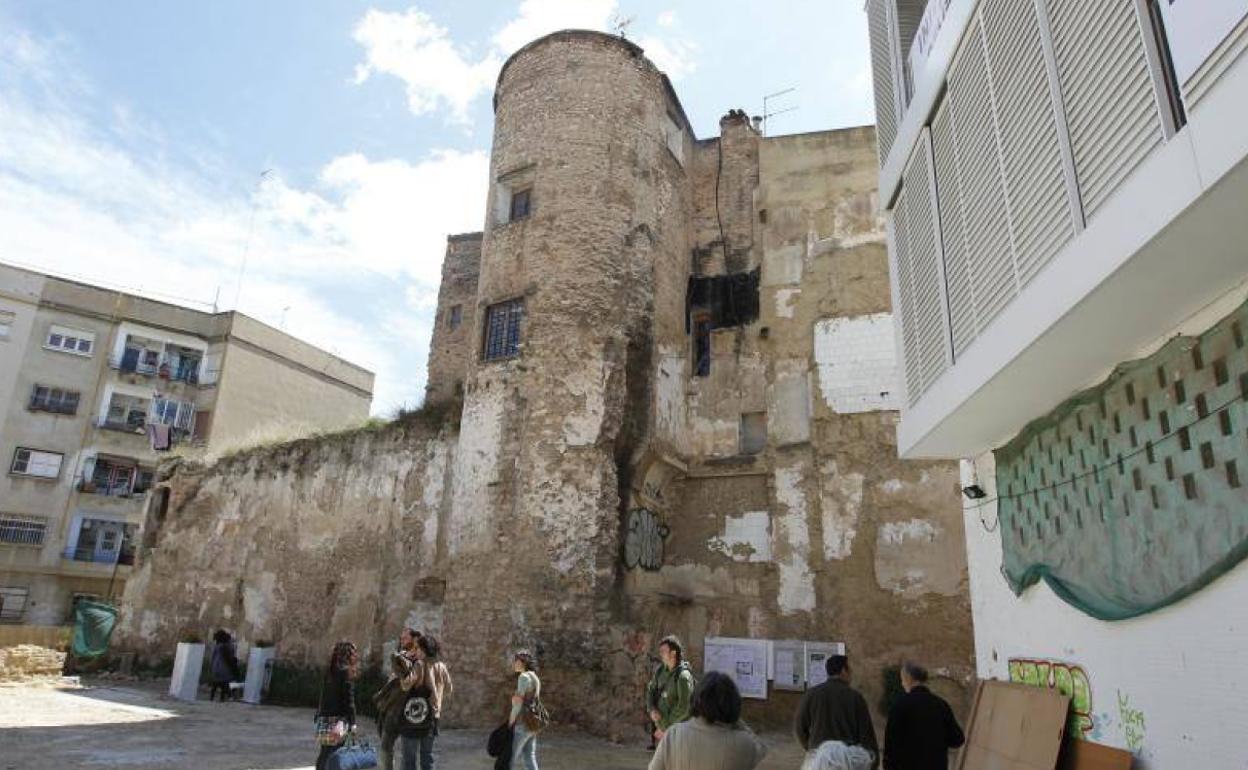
(528, 716)
(426, 686)
(335, 715)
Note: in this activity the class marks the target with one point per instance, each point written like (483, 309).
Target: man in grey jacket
(834, 711)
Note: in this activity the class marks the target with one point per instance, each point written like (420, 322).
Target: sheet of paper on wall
(744, 660)
(817, 654)
(788, 665)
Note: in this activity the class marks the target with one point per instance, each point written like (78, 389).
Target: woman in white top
(714, 737)
(528, 688)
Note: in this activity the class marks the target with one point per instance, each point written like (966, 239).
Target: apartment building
(96, 387)
(1065, 182)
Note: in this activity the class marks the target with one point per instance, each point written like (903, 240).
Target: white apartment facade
(96, 388)
(1067, 198)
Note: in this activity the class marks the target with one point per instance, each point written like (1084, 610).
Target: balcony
(93, 555)
(125, 424)
(1051, 213)
(166, 368)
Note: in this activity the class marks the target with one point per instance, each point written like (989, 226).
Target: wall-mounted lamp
(974, 492)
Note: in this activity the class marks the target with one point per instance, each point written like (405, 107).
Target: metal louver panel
(905, 296)
(988, 232)
(1030, 150)
(880, 28)
(962, 320)
(930, 338)
(1107, 91)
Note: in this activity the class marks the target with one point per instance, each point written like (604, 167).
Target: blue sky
(133, 137)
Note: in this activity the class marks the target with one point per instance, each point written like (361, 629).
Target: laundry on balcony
(161, 436)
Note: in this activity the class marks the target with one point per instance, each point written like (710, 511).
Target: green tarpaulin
(93, 626)
(1134, 494)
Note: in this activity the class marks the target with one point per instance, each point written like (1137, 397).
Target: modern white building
(1067, 205)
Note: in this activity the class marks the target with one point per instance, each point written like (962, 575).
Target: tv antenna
(251, 227)
(620, 23)
(772, 113)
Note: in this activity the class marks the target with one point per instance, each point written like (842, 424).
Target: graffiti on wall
(1132, 721)
(643, 540)
(1071, 681)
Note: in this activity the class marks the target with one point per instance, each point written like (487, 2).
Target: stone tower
(585, 233)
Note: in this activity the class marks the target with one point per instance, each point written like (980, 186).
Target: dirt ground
(134, 726)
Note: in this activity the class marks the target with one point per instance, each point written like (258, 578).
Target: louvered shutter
(929, 321)
(1030, 153)
(989, 243)
(880, 28)
(1107, 92)
(899, 227)
(961, 296)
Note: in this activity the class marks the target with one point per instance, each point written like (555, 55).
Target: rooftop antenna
(282, 325)
(620, 23)
(251, 227)
(770, 114)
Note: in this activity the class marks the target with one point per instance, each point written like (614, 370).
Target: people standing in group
(390, 698)
(427, 687)
(714, 737)
(223, 664)
(335, 714)
(669, 693)
(921, 727)
(528, 692)
(834, 711)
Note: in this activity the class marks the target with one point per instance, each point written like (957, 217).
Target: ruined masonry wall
(452, 344)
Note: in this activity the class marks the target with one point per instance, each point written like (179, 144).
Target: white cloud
(335, 264)
(436, 72)
(413, 48)
(541, 17)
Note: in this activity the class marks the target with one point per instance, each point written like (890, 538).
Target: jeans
(414, 744)
(524, 747)
(323, 757)
(385, 752)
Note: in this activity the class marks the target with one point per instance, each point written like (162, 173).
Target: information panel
(744, 660)
(817, 654)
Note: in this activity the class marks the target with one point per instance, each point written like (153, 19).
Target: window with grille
(12, 603)
(521, 202)
(22, 530)
(68, 340)
(502, 329)
(32, 462)
(56, 400)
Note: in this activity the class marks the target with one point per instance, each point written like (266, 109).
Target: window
(520, 204)
(112, 478)
(502, 330)
(753, 435)
(179, 414)
(6, 323)
(455, 316)
(147, 477)
(32, 462)
(68, 340)
(55, 400)
(22, 530)
(12, 603)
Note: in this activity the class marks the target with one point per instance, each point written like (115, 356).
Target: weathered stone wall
(598, 495)
(453, 345)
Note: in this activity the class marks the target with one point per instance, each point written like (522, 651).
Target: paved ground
(136, 727)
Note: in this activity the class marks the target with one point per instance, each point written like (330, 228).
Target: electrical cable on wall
(1102, 468)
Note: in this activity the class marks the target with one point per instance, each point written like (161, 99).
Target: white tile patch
(746, 538)
(786, 302)
(857, 363)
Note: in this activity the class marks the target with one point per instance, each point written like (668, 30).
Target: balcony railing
(89, 487)
(89, 554)
(124, 425)
(165, 370)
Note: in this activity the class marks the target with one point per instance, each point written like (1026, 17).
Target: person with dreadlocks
(335, 715)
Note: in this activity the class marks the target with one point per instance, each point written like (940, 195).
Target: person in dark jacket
(338, 692)
(921, 727)
(224, 664)
(834, 711)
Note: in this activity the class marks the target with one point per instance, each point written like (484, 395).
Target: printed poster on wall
(788, 665)
(744, 660)
(817, 654)
(1195, 29)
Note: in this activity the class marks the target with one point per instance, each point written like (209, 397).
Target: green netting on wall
(93, 627)
(1131, 495)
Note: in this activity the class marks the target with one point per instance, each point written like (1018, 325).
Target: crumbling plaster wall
(825, 534)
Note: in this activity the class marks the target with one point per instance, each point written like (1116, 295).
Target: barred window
(502, 329)
(32, 462)
(13, 602)
(22, 530)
